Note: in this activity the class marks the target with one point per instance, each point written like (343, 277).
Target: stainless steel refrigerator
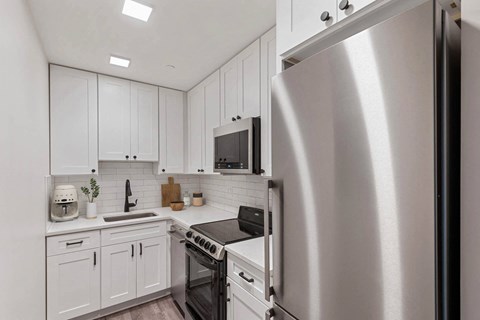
(365, 158)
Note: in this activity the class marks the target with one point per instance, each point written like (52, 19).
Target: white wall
(23, 164)
(470, 224)
(145, 185)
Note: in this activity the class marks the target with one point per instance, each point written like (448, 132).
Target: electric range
(206, 264)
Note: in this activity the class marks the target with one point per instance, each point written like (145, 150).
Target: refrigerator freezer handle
(269, 314)
(266, 232)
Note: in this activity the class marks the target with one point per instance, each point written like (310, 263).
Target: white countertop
(186, 217)
(251, 251)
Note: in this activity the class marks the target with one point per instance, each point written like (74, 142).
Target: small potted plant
(91, 193)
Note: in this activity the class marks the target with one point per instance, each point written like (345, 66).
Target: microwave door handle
(268, 290)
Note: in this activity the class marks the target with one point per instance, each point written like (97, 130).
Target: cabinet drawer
(240, 271)
(133, 233)
(72, 242)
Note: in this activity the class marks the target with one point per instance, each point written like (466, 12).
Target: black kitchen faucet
(128, 193)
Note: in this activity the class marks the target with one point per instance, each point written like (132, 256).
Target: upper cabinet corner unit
(171, 131)
(128, 120)
(299, 20)
(73, 121)
(203, 117)
(240, 85)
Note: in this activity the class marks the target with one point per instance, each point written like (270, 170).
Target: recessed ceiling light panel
(122, 62)
(136, 10)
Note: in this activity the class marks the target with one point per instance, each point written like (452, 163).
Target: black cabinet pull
(74, 243)
(95, 258)
(198, 170)
(233, 119)
(242, 275)
(141, 248)
(93, 170)
(126, 157)
(325, 16)
(163, 170)
(133, 250)
(202, 170)
(238, 117)
(344, 5)
(134, 157)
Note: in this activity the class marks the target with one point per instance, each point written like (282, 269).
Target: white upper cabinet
(114, 118)
(196, 101)
(171, 105)
(268, 70)
(347, 8)
(229, 91)
(298, 20)
(249, 81)
(144, 122)
(203, 117)
(128, 120)
(240, 85)
(211, 88)
(73, 121)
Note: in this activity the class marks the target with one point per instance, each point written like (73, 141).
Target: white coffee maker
(64, 203)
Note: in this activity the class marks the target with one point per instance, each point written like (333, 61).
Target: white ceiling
(196, 36)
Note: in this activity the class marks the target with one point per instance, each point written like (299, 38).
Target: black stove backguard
(205, 285)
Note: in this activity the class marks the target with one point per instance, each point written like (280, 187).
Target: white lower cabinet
(119, 276)
(242, 305)
(87, 271)
(73, 284)
(151, 266)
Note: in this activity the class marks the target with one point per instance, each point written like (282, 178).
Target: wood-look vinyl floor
(161, 309)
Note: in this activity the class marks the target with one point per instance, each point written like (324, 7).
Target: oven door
(204, 287)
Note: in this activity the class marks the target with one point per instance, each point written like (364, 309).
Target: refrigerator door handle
(269, 314)
(266, 232)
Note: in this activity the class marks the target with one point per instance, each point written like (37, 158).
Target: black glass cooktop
(249, 225)
(229, 231)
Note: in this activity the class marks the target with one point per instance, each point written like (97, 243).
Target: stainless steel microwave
(237, 147)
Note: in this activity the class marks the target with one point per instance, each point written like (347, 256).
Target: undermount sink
(130, 216)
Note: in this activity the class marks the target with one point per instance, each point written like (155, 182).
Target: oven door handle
(200, 258)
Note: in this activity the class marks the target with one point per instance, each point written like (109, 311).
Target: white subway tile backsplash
(230, 192)
(145, 185)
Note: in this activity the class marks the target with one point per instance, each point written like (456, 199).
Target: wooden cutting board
(170, 192)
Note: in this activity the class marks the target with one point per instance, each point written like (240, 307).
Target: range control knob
(207, 245)
(189, 234)
(202, 242)
(197, 238)
(213, 249)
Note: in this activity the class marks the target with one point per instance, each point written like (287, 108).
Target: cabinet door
(243, 305)
(171, 131)
(73, 284)
(268, 70)
(144, 122)
(73, 121)
(196, 100)
(114, 118)
(354, 6)
(212, 117)
(249, 81)
(151, 265)
(299, 20)
(229, 91)
(119, 277)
